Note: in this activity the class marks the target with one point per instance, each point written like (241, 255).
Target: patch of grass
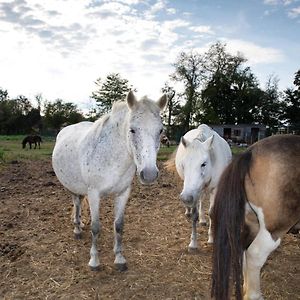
(11, 149)
(165, 152)
(237, 150)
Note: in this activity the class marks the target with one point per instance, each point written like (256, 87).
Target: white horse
(101, 158)
(201, 157)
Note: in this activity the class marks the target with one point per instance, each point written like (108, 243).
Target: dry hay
(41, 260)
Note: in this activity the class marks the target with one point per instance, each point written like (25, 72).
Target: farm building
(241, 133)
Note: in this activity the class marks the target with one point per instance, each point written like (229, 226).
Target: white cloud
(279, 2)
(294, 12)
(202, 29)
(254, 53)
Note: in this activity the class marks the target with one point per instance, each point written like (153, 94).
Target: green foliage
(113, 89)
(59, 113)
(189, 71)
(17, 115)
(291, 110)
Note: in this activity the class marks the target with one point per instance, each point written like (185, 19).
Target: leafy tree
(270, 107)
(58, 113)
(171, 106)
(16, 115)
(230, 91)
(189, 71)
(292, 104)
(112, 89)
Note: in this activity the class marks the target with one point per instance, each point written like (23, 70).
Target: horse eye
(132, 130)
(160, 132)
(203, 165)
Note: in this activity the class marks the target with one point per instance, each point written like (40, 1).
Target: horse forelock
(144, 104)
(147, 104)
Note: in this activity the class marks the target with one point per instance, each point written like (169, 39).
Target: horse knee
(119, 225)
(95, 227)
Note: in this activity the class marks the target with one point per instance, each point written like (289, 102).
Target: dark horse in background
(32, 139)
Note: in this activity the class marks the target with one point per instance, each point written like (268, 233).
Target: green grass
(11, 149)
(237, 150)
(165, 152)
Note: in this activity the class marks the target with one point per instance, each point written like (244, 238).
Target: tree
(292, 105)
(230, 91)
(189, 71)
(58, 113)
(270, 107)
(172, 103)
(114, 88)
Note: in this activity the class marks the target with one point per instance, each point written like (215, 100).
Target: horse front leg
(78, 225)
(94, 203)
(202, 212)
(195, 217)
(120, 203)
(211, 204)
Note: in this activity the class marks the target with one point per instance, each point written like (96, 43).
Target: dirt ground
(40, 259)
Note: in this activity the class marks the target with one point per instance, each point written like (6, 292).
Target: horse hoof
(95, 269)
(121, 267)
(203, 223)
(78, 236)
(188, 216)
(192, 250)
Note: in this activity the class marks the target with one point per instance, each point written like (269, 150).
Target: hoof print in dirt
(121, 267)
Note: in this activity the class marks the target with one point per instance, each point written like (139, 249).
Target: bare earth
(40, 259)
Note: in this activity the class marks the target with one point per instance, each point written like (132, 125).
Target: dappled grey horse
(98, 159)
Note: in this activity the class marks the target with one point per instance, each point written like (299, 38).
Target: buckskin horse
(257, 202)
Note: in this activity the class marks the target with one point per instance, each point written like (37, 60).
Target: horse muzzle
(148, 176)
(188, 199)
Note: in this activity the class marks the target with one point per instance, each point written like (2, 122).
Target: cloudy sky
(60, 47)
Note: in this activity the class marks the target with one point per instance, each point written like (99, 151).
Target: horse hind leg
(78, 225)
(255, 257)
(120, 203)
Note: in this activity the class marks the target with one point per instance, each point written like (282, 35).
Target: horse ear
(208, 143)
(131, 99)
(184, 142)
(162, 102)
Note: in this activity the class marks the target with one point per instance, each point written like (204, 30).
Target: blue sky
(60, 47)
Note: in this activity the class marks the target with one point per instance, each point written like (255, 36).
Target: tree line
(216, 87)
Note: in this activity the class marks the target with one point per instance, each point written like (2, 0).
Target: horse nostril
(186, 199)
(148, 175)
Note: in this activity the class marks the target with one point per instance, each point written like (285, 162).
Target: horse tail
(228, 217)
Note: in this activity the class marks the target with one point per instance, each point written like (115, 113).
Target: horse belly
(66, 165)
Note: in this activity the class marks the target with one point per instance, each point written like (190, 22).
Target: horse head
(196, 166)
(144, 130)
